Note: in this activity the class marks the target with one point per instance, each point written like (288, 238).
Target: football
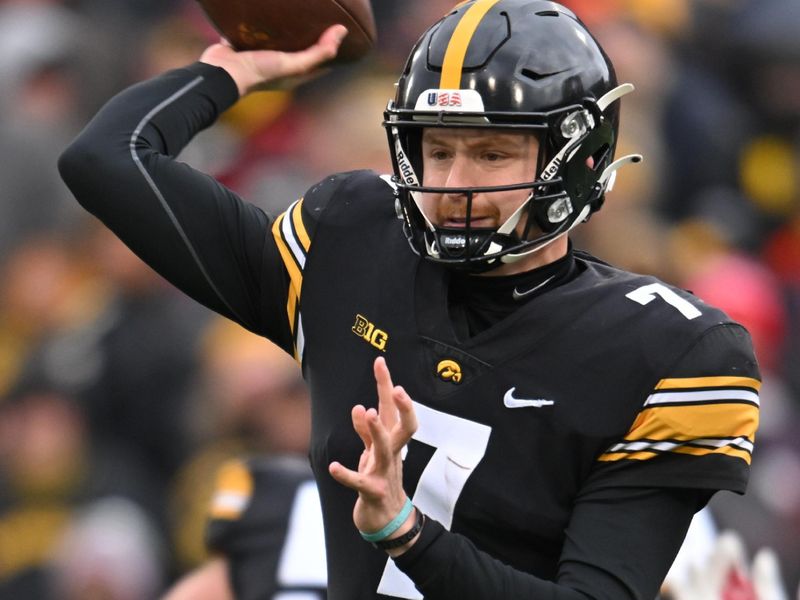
(292, 25)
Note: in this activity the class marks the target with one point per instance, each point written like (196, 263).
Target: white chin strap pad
(512, 258)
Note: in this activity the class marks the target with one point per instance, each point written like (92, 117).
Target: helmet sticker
(449, 100)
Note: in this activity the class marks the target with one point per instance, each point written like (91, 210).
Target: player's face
(479, 158)
(476, 158)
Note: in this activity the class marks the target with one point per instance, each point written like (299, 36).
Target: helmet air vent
(531, 74)
(547, 13)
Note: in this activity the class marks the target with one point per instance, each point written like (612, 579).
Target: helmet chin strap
(509, 226)
(410, 177)
(606, 179)
(581, 122)
(512, 258)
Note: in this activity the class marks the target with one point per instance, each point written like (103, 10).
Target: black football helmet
(524, 65)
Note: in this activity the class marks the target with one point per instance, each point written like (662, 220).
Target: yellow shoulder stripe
(695, 421)
(295, 275)
(293, 242)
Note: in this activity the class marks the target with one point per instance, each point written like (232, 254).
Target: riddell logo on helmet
(551, 169)
(454, 241)
(406, 170)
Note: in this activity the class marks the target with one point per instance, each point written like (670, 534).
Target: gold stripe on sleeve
(695, 421)
(692, 450)
(456, 52)
(295, 275)
(708, 382)
(286, 254)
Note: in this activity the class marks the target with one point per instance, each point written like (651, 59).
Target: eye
(491, 156)
(439, 154)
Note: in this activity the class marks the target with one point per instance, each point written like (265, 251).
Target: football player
(265, 535)
(560, 419)
(263, 526)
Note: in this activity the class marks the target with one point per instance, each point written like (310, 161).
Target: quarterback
(560, 420)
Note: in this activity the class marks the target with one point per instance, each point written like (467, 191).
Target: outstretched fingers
(347, 477)
(383, 382)
(407, 425)
(395, 408)
(382, 438)
(383, 431)
(359, 417)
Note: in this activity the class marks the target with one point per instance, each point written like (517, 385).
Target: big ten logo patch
(367, 331)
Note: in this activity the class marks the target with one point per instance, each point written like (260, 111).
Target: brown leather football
(291, 25)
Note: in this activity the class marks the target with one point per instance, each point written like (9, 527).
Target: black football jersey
(610, 380)
(265, 519)
(560, 452)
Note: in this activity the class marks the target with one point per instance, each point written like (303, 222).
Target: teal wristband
(391, 526)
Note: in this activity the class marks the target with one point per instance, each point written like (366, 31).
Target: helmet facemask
(505, 84)
(575, 146)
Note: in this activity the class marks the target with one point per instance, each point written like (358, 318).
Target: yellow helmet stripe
(457, 48)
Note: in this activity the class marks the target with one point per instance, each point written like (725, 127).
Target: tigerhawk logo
(449, 370)
(368, 332)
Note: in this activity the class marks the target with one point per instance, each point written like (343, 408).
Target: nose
(460, 175)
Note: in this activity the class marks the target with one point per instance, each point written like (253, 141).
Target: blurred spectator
(49, 472)
(127, 355)
(706, 260)
(43, 290)
(110, 551)
(725, 573)
(257, 406)
(38, 105)
(285, 156)
(707, 263)
(265, 531)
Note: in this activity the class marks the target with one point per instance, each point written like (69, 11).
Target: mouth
(475, 222)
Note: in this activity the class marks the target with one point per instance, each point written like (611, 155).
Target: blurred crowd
(119, 398)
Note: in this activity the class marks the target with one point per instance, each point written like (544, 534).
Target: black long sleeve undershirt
(649, 524)
(191, 229)
(216, 248)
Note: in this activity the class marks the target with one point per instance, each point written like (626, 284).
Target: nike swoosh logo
(520, 295)
(511, 402)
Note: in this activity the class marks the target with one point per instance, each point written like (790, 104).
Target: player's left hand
(384, 432)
